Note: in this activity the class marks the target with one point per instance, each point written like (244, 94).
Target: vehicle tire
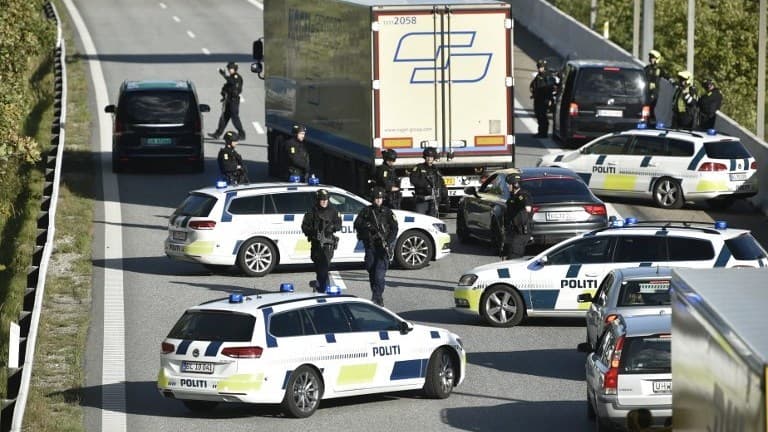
(721, 203)
(497, 241)
(667, 193)
(303, 392)
(462, 231)
(414, 250)
(199, 405)
(441, 374)
(502, 306)
(257, 257)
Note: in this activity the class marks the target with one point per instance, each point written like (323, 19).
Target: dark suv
(157, 120)
(598, 97)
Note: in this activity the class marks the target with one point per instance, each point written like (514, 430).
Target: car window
(726, 149)
(745, 247)
(690, 249)
(367, 317)
(293, 202)
(493, 185)
(247, 205)
(647, 354)
(590, 250)
(329, 318)
(346, 204)
(556, 189)
(648, 146)
(644, 292)
(597, 83)
(290, 323)
(604, 290)
(221, 326)
(156, 107)
(612, 145)
(640, 248)
(679, 148)
(197, 205)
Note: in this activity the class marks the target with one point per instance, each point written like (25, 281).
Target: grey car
(630, 369)
(627, 291)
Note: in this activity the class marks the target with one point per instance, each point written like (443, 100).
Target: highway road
(525, 378)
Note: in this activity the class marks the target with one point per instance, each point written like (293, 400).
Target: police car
(258, 226)
(669, 166)
(297, 349)
(549, 284)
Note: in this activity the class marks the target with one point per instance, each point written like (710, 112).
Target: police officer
(709, 103)
(297, 156)
(230, 101)
(231, 163)
(517, 217)
(428, 184)
(542, 90)
(653, 74)
(386, 178)
(376, 227)
(319, 224)
(684, 102)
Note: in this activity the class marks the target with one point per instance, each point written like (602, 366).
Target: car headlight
(443, 228)
(468, 280)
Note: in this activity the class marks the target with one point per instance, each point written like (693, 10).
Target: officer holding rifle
(428, 184)
(376, 227)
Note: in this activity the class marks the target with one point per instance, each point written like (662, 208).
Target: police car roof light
(235, 298)
(313, 181)
(333, 290)
(617, 223)
(630, 220)
(642, 125)
(721, 225)
(294, 179)
(660, 125)
(221, 184)
(711, 132)
(286, 287)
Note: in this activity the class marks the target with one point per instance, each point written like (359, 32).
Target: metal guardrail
(20, 374)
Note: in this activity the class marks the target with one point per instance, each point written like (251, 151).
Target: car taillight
(609, 318)
(595, 209)
(202, 224)
(611, 377)
(646, 113)
(167, 348)
(713, 166)
(753, 165)
(242, 352)
(535, 209)
(573, 109)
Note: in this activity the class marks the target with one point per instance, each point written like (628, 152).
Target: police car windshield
(556, 189)
(221, 326)
(157, 107)
(647, 354)
(648, 292)
(197, 205)
(726, 150)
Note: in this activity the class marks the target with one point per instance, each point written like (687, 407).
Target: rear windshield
(546, 190)
(220, 326)
(644, 292)
(726, 150)
(745, 247)
(647, 354)
(615, 82)
(197, 205)
(157, 107)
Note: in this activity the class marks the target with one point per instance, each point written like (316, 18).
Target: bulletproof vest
(229, 159)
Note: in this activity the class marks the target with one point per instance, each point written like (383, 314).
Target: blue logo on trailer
(462, 61)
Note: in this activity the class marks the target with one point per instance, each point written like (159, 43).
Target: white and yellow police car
(297, 349)
(258, 226)
(669, 166)
(549, 284)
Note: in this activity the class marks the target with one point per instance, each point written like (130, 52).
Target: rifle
(378, 233)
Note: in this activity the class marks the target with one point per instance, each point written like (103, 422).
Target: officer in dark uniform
(428, 184)
(386, 178)
(297, 156)
(318, 225)
(230, 162)
(376, 227)
(684, 102)
(653, 74)
(542, 91)
(709, 103)
(230, 101)
(517, 217)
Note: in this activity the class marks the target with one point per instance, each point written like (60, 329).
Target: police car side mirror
(205, 108)
(470, 190)
(584, 298)
(584, 347)
(405, 327)
(543, 260)
(109, 109)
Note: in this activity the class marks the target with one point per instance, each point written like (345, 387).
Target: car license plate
(176, 248)
(449, 181)
(179, 235)
(559, 216)
(738, 176)
(199, 367)
(158, 141)
(662, 386)
(609, 113)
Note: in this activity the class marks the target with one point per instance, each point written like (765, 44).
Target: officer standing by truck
(376, 227)
(517, 218)
(230, 101)
(542, 91)
(319, 224)
(230, 162)
(386, 178)
(428, 184)
(297, 156)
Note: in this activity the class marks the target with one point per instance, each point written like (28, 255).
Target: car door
(595, 323)
(286, 211)
(349, 247)
(644, 162)
(480, 211)
(596, 162)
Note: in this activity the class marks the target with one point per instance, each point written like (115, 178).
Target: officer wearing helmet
(230, 162)
(428, 184)
(386, 178)
(376, 227)
(319, 225)
(296, 153)
(542, 91)
(517, 219)
(684, 102)
(230, 101)
(653, 73)
(709, 103)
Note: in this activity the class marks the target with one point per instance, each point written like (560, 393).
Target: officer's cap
(429, 152)
(230, 136)
(389, 155)
(541, 63)
(708, 82)
(232, 65)
(377, 192)
(655, 54)
(298, 128)
(513, 178)
(322, 194)
(684, 75)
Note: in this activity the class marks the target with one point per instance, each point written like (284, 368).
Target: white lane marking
(162, 5)
(175, 18)
(190, 34)
(113, 417)
(259, 129)
(257, 4)
(337, 280)
(206, 51)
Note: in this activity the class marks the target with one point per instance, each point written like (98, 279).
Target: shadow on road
(521, 416)
(550, 363)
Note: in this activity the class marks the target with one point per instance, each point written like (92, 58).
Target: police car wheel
(413, 250)
(199, 405)
(462, 232)
(502, 306)
(667, 193)
(441, 374)
(257, 257)
(303, 392)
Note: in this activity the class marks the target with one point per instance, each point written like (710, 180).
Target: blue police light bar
(221, 184)
(286, 287)
(642, 125)
(235, 298)
(660, 125)
(617, 223)
(711, 132)
(721, 225)
(294, 179)
(333, 290)
(630, 220)
(313, 181)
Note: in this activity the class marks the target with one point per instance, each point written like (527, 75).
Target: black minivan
(157, 120)
(597, 97)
